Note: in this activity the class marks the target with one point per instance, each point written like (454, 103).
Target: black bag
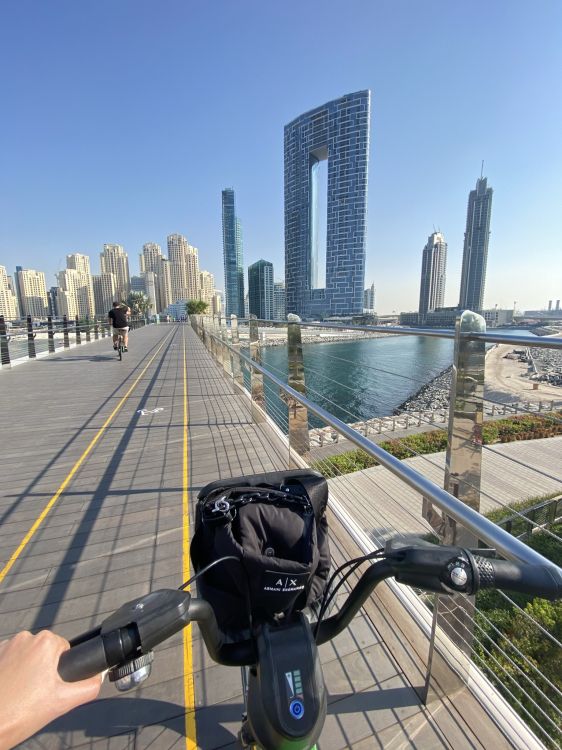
(275, 524)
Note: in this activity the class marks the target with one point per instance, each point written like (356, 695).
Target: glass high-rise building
(475, 253)
(339, 133)
(260, 289)
(434, 269)
(279, 301)
(233, 256)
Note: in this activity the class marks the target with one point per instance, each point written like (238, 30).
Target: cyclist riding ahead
(117, 317)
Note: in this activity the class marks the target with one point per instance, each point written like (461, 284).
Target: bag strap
(317, 491)
(221, 506)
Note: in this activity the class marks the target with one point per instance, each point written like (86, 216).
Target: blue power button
(297, 709)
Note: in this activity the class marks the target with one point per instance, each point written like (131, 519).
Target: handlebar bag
(275, 526)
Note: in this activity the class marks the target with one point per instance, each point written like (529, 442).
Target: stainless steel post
(256, 378)
(50, 335)
(225, 354)
(235, 367)
(214, 347)
(299, 438)
(30, 339)
(454, 615)
(4, 339)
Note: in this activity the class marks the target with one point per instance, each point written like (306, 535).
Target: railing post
(455, 614)
(50, 335)
(299, 437)
(235, 367)
(30, 339)
(77, 331)
(4, 350)
(87, 327)
(65, 331)
(222, 338)
(213, 347)
(226, 360)
(256, 378)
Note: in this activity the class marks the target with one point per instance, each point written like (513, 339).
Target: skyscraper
(84, 284)
(8, 300)
(233, 256)
(115, 260)
(475, 253)
(152, 260)
(369, 299)
(434, 269)
(279, 301)
(338, 132)
(260, 289)
(184, 268)
(33, 291)
(206, 288)
(105, 292)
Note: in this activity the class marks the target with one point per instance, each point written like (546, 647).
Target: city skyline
(69, 185)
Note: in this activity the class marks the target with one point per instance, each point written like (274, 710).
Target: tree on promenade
(139, 303)
(196, 307)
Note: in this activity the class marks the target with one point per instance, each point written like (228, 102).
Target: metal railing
(383, 506)
(19, 343)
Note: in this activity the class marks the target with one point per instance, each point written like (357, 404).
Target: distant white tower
(434, 268)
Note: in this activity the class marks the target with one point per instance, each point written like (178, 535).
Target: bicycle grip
(539, 580)
(84, 660)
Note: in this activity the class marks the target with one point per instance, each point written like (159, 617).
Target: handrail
(473, 521)
(547, 342)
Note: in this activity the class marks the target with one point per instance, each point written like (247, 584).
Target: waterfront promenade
(101, 464)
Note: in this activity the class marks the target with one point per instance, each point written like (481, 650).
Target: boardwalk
(100, 460)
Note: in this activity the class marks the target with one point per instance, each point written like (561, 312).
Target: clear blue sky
(122, 120)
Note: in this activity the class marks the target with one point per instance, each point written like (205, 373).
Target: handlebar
(124, 641)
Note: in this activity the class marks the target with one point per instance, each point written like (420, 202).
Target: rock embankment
(432, 396)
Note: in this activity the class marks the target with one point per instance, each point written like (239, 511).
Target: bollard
(87, 327)
(65, 332)
(4, 339)
(50, 334)
(77, 331)
(96, 331)
(30, 339)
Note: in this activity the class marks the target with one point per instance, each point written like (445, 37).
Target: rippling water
(367, 378)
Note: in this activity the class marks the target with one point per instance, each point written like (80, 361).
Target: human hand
(32, 693)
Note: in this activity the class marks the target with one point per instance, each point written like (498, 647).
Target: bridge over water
(101, 463)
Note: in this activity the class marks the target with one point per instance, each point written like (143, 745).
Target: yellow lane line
(24, 542)
(189, 683)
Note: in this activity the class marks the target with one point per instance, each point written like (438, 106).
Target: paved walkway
(93, 493)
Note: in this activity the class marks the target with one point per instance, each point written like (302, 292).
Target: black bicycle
(285, 694)
(120, 344)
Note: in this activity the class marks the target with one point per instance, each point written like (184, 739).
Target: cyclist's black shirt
(118, 316)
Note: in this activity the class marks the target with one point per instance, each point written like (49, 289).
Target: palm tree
(139, 303)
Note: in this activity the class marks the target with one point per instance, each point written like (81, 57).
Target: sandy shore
(505, 379)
